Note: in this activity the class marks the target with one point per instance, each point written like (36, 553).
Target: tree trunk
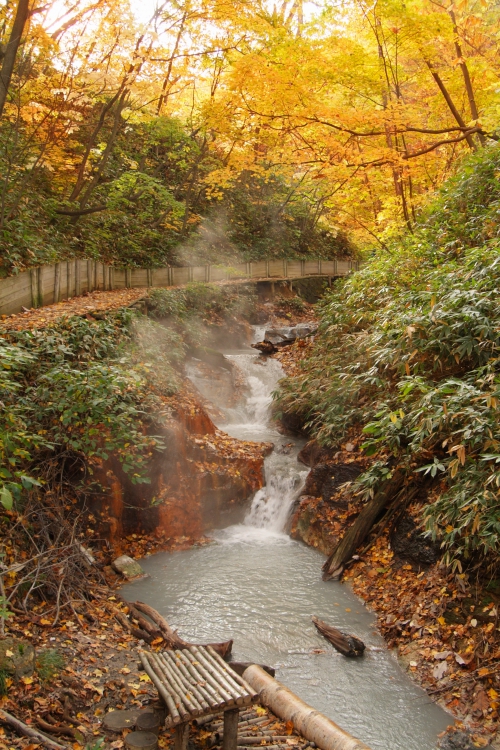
(449, 101)
(466, 76)
(360, 529)
(9, 59)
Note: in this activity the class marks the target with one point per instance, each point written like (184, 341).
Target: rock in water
(265, 347)
(127, 567)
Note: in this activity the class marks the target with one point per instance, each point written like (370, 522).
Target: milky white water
(259, 587)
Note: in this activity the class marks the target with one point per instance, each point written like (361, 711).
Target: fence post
(267, 269)
(57, 281)
(40, 286)
(69, 277)
(77, 278)
(319, 267)
(35, 296)
(285, 269)
(128, 278)
(335, 268)
(302, 268)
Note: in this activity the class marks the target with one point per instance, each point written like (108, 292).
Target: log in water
(261, 588)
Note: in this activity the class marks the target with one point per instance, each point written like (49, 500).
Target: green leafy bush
(209, 302)
(83, 386)
(49, 663)
(410, 350)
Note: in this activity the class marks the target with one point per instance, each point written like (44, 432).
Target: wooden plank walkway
(196, 682)
(47, 285)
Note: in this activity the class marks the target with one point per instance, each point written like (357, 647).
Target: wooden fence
(48, 284)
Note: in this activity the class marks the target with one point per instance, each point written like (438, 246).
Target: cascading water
(259, 587)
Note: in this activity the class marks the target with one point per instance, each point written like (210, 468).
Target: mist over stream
(259, 587)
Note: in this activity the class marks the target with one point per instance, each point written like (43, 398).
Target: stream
(259, 587)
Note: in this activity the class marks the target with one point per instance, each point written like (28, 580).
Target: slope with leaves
(409, 353)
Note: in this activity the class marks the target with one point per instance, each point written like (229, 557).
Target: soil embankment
(200, 478)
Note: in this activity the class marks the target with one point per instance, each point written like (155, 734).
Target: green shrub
(409, 349)
(290, 304)
(49, 663)
(84, 386)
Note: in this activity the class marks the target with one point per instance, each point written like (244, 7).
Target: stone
(411, 545)
(324, 479)
(288, 334)
(127, 567)
(456, 739)
(17, 658)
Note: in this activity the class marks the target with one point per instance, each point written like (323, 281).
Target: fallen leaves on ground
(87, 304)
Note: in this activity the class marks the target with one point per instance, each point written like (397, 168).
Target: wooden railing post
(40, 286)
(77, 278)
(35, 296)
(57, 282)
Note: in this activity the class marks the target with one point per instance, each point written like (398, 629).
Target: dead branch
(172, 639)
(25, 730)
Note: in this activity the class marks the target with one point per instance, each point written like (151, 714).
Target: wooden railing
(48, 284)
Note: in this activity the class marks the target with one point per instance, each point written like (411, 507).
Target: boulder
(324, 480)
(17, 658)
(283, 335)
(411, 545)
(127, 567)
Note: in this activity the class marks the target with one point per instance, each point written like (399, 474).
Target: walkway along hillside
(49, 284)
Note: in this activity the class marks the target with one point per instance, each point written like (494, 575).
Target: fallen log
(240, 666)
(27, 731)
(306, 720)
(141, 635)
(171, 637)
(346, 644)
(357, 533)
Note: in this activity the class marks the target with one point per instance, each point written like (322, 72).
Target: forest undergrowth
(75, 392)
(402, 381)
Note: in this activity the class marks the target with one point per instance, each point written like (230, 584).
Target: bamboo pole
(184, 713)
(234, 675)
(228, 674)
(174, 714)
(215, 672)
(184, 690)
(208, 677)
(181, 667)
(311, 724)
(221, 702)
(213, 702)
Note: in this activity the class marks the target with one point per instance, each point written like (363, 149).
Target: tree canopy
(119, 139)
